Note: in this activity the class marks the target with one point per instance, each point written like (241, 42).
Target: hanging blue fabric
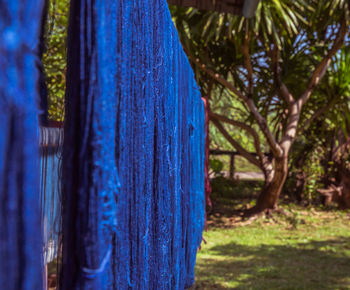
(132, 106)
(20, 231)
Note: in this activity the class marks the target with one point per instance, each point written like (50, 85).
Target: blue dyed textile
(20, 231)
(133, 166)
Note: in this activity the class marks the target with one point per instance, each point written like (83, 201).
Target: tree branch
(322, 67)
(286, 94)
(248, 62)
(245, 127)
(275, 148)
(317, 114)
(275, 55)
(317, 75)
(251, 158)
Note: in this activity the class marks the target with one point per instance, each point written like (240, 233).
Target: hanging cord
(208, 189)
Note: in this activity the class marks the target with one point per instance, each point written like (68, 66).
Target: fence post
(232, 165)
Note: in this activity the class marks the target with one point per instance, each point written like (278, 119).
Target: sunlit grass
(311, 252)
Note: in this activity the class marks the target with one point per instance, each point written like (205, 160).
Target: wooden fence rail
(232, 155)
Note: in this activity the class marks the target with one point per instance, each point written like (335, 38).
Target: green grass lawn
(309, 251)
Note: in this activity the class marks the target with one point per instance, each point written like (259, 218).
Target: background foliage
(54, 57)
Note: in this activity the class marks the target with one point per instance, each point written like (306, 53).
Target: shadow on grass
(309, 265)
(237, 189)
(229, 197)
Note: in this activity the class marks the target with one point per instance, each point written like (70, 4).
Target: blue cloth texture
(133, 157)
(20, 230)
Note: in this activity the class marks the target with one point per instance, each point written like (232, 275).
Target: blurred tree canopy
(285, 69)
(265, 75)
(54, 58)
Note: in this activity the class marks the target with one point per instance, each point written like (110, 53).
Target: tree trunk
(344, 200)
(273, 186)
(341, 158)
(299, 186)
